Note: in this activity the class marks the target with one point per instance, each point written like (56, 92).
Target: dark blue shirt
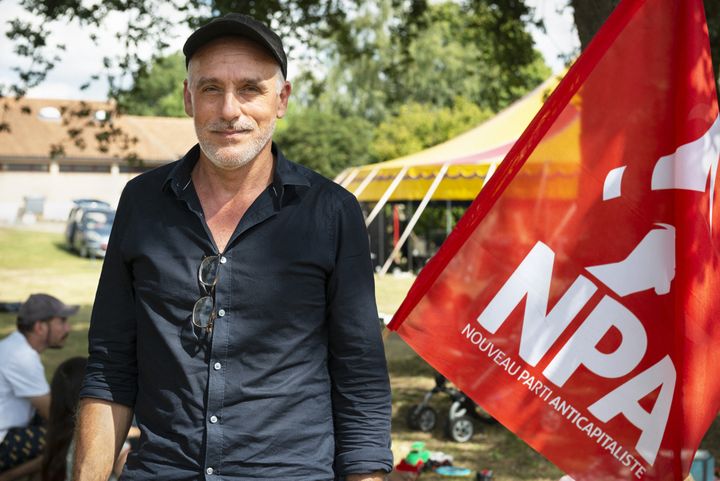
(292, 382)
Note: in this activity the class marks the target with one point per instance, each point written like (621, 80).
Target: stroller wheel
(422, 418)
(460, 429)
(411, 418)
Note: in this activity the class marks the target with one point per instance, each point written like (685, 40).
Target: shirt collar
(286, 173)
(180, 175)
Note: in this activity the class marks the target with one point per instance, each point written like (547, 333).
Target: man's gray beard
(239, 159)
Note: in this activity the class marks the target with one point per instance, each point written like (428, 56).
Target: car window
(96, 219)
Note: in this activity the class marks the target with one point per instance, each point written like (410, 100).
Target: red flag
(577, 300)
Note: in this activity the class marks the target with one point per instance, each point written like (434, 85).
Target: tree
(447, 50)
(157, 89)
(418, 126)
(459, 52)
(357, 58)
(325, 141)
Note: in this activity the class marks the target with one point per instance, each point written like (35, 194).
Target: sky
(560, 37)
(83, 58)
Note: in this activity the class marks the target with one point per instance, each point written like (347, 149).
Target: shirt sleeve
(111, 372)
(26, 375)
(360, 385)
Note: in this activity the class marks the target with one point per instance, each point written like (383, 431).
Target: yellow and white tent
(457, 169)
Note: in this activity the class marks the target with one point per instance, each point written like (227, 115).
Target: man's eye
(210, 88)
(250, 89)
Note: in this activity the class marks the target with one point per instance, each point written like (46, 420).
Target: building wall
(58, 189)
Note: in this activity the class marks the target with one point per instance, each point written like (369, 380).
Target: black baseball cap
(237, 24)
(40, 307)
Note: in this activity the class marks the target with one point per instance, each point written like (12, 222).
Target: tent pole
(382, 237)
(490, 172)
(386, 195)
(415, 218)
(346, 181)
(448, 217)
(409, 208)
(366, 182)
(339, 178)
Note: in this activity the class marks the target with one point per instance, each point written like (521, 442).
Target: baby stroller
(463, 411)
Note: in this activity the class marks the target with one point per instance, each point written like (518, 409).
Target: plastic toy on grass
(453, 471)
(415, 459)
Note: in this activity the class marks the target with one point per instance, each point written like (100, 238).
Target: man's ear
(39, 327)
(284, 97)
(187, 99)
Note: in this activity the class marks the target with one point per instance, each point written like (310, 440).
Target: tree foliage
(470, 49)
(473, 51)
(418, 126)
(157, 89)
(325, 141)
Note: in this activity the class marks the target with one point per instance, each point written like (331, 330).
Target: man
(42, 323)
(235, 315)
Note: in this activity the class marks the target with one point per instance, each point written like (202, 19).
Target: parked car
(88, 230)
(76, 214)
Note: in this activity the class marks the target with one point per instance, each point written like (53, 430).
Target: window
(84, 168)
(10, 167)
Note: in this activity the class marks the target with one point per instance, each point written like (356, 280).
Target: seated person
(42, 323)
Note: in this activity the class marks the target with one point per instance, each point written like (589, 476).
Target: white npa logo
(540, 331)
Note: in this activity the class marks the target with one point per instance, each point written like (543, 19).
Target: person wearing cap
(42, 323)
(235, 315)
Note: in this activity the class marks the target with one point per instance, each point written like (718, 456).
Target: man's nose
(231, 107)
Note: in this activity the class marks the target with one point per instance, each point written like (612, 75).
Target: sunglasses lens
(203, 311)
(208, 272)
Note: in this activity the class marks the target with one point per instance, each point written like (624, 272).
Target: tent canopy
(469, 158)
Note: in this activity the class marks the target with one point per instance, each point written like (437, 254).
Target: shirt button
(213, 419)
(223, 260)
(209, 470)
(217, 366)
(221, 312)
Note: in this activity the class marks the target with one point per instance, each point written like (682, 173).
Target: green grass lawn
(38, 262)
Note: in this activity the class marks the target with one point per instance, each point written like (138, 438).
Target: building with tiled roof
(54, 151)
